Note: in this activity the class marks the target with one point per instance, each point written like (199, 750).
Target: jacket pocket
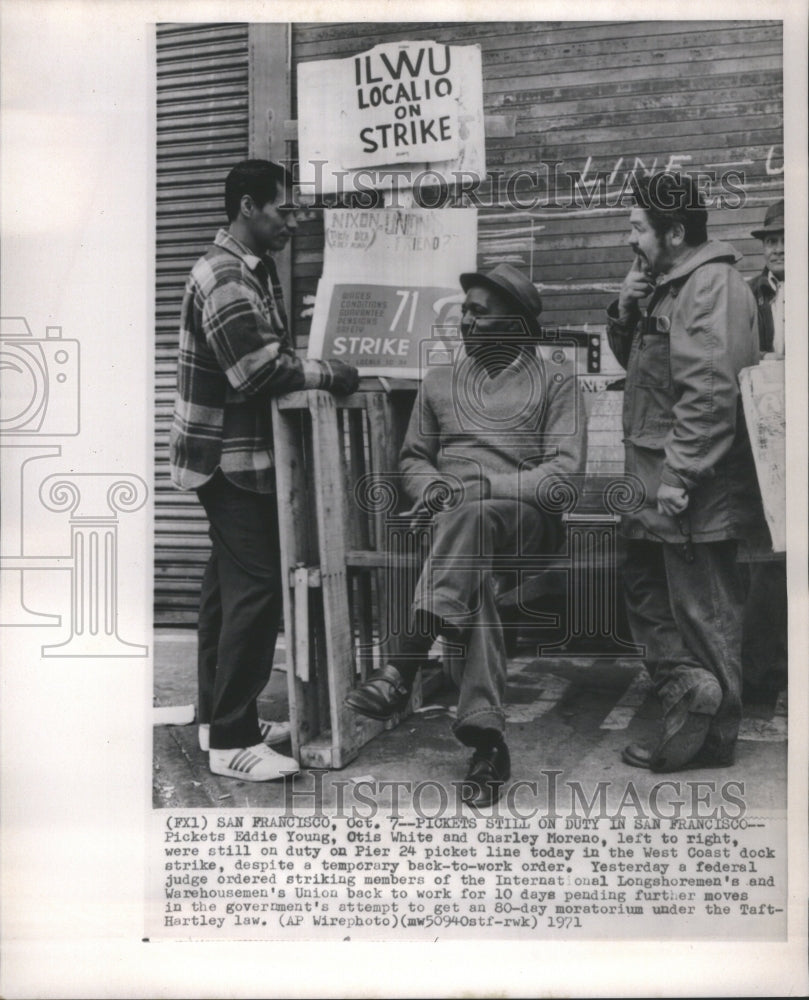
(646, 462)
(653, 362)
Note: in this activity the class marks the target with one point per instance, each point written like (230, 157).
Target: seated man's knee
(467, 511)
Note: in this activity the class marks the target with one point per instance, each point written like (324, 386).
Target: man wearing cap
(764, 644)
(685, 438)
(487, 428)
(768, 287)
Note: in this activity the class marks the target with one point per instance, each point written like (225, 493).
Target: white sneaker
(272, 733)
(258, 763)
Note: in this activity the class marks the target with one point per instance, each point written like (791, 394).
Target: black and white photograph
(404, 440)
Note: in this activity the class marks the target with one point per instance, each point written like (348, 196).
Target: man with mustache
(685, 438)
(487, 428)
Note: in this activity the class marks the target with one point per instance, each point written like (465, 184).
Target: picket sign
(762, 390)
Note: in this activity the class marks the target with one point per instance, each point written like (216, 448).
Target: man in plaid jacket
(235, 354)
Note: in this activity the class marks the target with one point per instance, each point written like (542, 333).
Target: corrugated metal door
(202, 130)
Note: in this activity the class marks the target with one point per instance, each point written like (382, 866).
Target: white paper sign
(390, 281)
(764, 411)
(400, 103)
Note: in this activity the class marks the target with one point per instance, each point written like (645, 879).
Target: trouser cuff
(229, 737)
(487, 725)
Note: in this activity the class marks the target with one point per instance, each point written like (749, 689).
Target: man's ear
(677, 234)
(246, 206)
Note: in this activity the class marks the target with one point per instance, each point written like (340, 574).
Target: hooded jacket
(682, 416)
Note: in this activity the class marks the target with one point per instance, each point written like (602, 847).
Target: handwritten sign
(390, 281)
(400, 103)
(762, 390)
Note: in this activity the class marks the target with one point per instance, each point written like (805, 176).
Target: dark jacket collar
(761, 284)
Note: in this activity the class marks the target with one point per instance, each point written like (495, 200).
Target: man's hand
(340, 378)
(637, 285)
(671, 500)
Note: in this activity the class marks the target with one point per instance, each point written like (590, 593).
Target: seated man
(488, 429)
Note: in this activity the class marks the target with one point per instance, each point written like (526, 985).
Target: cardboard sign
(764, 412)
(379, 327)
(390, 281)
(400, 103)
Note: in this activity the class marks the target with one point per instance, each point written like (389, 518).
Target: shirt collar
(772, 281)
(228, 242)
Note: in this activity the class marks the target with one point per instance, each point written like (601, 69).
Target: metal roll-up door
(202, 130)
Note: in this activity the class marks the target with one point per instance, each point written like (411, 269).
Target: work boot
(383, 695)
(490, 766)
(685, 728)
(489, 770)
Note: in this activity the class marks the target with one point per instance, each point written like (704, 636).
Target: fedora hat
(508, 281)
(773, 221)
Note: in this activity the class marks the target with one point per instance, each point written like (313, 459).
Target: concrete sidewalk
(572, 715)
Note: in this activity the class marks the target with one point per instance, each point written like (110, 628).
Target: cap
(773, 221)
(508, 281)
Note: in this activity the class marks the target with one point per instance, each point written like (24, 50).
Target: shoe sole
(683, 745)
(633, 761)
(697, 764)
(370, 713)
(700, 704)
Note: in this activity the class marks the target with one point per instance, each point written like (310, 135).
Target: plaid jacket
(235, 354)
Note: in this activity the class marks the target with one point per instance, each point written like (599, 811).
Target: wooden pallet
(336, 568)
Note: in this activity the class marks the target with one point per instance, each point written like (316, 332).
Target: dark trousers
(688, 615)
(457, 586)
(240, 610)
(764, 643)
